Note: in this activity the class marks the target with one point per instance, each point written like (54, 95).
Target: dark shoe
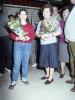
(48, 82)
(43, 78)
(57, 70)
(70, 81)
(26, 82)
(62, 75)
(73, 89)
(12, 86)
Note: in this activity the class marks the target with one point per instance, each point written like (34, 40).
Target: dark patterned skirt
(48, 55)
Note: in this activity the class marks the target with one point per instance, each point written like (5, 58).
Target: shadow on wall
(40, 14)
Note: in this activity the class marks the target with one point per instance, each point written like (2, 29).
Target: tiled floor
(36, 90)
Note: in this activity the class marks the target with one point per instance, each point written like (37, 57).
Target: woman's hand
(27, 38)
(20, 38)
(23, 38)
(17, 38)
(44, 36)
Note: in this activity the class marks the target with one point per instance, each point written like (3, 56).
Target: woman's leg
(17, 56)
(52, 60)
(62, 67)
(51, 74)
(50, 79)
(25, 59)
(47, 72)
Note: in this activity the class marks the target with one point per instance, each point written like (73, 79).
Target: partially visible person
(63, 46)
(48, 41)
(5, 48)
(56, 13)
(70, 37)
(10, 18)
(22, 46)
(58, 17)
(33, 56)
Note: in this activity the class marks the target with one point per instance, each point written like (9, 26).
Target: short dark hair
(9, 16)
(49, 6)
(67, 7)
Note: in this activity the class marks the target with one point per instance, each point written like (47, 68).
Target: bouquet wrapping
(16, 27)
(48, 27)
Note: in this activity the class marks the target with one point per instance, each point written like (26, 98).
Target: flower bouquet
(48, 27)
(16, 27)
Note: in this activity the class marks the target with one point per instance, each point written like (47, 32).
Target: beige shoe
(34, 65)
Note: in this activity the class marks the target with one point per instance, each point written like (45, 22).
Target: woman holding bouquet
(47, 30)
(22, 46)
